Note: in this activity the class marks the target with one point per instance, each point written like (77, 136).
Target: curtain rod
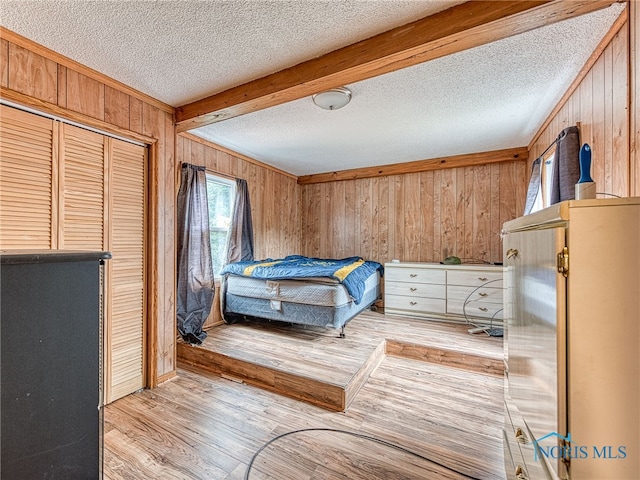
(559, 137)
(553, 144)
(212, 172)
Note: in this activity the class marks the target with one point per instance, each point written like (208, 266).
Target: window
(221, 197)
(543, 198)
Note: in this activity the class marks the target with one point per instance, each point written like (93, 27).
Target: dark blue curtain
(195, 270)
(565, 172)
(240, 245)
(566, 165)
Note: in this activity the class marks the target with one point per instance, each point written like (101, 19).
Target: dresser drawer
(428, 290)
(415, 304)
(475, 278)
(458, 295)
(478, 310)
(521, 448)
(437, 291)
(414, 275)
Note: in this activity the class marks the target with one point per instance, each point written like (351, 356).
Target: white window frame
(543, 196)
(216, 178)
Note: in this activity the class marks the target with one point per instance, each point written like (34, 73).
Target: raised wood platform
(315, 365)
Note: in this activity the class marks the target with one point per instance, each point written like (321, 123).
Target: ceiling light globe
(332, 99)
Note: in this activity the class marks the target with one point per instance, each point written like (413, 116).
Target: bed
(300, 290)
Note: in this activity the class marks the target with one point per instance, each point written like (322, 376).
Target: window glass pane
(221, 195)
(543, 197)
(547, 178)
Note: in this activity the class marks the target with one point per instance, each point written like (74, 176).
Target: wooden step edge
(445, 357)
(325, 395)
(360, 378)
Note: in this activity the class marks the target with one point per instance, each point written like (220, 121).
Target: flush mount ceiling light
(332, 99)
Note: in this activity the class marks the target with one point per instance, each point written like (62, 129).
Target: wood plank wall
(414, 217)
(274, 195)
(40, 78)
(428, 216)
(600, 103)
(422, 216)
(634, 54)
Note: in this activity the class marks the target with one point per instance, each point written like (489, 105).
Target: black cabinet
(51, 426)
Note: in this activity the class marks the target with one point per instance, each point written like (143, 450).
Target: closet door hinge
(563, 261)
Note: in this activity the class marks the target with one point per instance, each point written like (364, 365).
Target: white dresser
(444, 292)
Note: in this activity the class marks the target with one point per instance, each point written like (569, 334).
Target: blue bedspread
(351, 272)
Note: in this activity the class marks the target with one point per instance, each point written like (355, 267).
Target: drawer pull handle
(520, 435)
(482, 294)
(412, 303)
(483, 279)
(413, 289)
(483, 309)
(520, 473)
(413, 275)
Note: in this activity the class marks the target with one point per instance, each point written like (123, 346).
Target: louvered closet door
(65, 187)
(27, 180)
(126, 242)
(82, 211)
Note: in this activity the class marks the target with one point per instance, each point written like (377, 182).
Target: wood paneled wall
(414, 217)
(600, 103)
(634, 54)
(274, 195)
(39, 78)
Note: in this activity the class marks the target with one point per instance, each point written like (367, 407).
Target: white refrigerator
(572, 341)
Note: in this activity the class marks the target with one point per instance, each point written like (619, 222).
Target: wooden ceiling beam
(461, 27)
(456, 161)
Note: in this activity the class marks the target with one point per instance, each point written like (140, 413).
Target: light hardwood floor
(202, 426)
(315, 365)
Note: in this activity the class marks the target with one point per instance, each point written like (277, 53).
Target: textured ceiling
(181, 51)
(490, 97)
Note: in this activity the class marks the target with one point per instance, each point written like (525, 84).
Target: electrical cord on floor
(478, 328)
(357, 435)
(493, 317)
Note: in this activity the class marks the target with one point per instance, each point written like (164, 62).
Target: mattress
(352, 272)
(315, 291)
(319, 301)
(301, 313)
